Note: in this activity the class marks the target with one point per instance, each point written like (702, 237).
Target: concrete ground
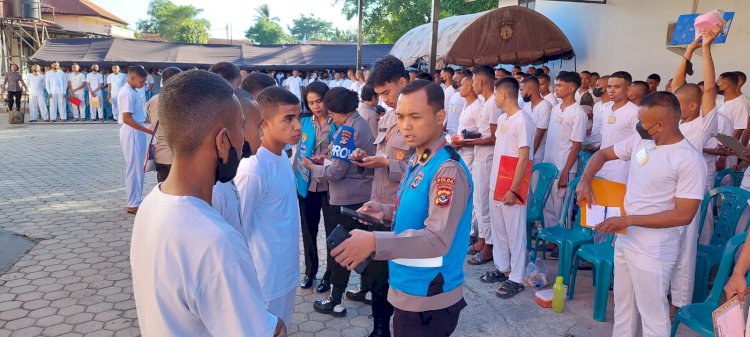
(61, 186)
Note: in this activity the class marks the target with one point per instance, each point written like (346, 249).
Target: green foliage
(265, 31)
(311, 28)
(385, 21)
(175, 23)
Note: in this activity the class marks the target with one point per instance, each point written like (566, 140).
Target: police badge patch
(444, 187)
(417, 180)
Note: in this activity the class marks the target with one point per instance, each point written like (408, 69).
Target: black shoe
(381, 327)
(323, 287)
(330, 307)
(306, 282)
(360, 295)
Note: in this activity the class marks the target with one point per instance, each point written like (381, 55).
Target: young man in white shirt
(294, 85)
(193, 274)
(665, 189)
(638, 90)
(616, 123)
(544, 84)
(115, 81)
(585, 87)
(56, 84)
(514, 139)
(469, 121)
(455, 104)
(735, 106)
(36, 94)
(76, 83)
(268, 202)
(133, 135)
(698, 124)
(539, 109)
(566, 132)
(594, 139)
(95, 83)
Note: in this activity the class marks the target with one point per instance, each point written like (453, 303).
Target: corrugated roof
(79, 7)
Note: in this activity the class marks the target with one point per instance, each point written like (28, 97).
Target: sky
(237, 13)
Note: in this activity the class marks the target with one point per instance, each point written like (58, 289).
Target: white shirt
(658, 175)
(512, 133)
(447, 94)
(293, 84)
(94, 80)
(128, 101)
(580, 94)
(56, 82)
(488, 115)
(226, 200)
(551, 99)
(737, 111)
(540, 114)
(35, 84)
(76, 80)
(346, 83)
(595, 137)
(270, 220)
(454, 108)
(469, 119)
(616, 126)
(699, 132)
(565, 127)
(192, 273)
(115, 83)
(355, 86)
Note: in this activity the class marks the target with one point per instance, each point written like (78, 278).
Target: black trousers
(162, 171)
(339, 274)
(434, 323)
(376, 278)
(310, 208)
(14, 97)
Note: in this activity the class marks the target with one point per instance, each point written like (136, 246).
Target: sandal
(493, 276)
(471, 250)
(554, 256)
(478, 259)
(509, 289)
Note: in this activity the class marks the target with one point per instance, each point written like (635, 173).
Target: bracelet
(517, 196)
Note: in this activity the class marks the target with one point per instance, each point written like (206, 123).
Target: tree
(266, 29)
(263, 12)
(311, 28)
(175, 23)
(385, 21)
(342, 35)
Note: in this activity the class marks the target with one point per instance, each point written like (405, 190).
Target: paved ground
(62, 186)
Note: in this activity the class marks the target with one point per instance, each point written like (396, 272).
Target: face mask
(246, 151)
(226, 172)
(643, 132)
(720, 92)
(527, 98)
(598, 92)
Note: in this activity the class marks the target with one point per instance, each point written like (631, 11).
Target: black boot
(331, 305)
(381, 327)
(359, 295)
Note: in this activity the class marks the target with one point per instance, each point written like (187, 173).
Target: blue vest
(431, 276)
(306, 147)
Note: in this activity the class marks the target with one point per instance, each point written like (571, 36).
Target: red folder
(505, 179)
(74, 100)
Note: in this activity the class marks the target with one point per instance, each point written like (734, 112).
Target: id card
(503, 129)
(559, 119)
(611, 119)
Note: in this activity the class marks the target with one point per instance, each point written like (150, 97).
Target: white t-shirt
(737, 111)
(453, 109)
(565, 127)
(658, 175)
(346, 83)
(35, 84)
(226, 200)
(128, 101)
(94, 80)
(270, 220)
(469, 119)
(56, 82)
(595, 138)
(293, 85)
(512, 133)
(355, 86)
(552, 99)
(488, 115)
(615, 127)
(76, 80)
(447, 94)
(192, 273)
(115, 82)
(698, 132)
(540, 114)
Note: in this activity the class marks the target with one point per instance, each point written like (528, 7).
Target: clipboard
(608, 194)
(733, 144)
(729, 318)
(94, 102)
(506, 170)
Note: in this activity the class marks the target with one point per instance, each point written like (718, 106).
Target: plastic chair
(568, 240)
(602, 256)
(736, 177)
(583, 159)
(535, 207)
(733, 203)
(697, 316)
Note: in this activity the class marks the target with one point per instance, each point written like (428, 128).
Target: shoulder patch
(444, 186)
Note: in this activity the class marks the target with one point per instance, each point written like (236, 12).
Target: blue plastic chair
(602, 257)
(567, 239)
(733, 203)
(697, 316)
(535, 206)
(583, 159)
(736, 177)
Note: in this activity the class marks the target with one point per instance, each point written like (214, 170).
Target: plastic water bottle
(558, 294)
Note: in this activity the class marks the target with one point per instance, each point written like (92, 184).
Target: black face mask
(526, 98)
(246, 151)
(226, 172)
(598, 92)
(643, 132)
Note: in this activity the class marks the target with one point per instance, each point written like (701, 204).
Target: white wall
(631, 35)
(89, 24)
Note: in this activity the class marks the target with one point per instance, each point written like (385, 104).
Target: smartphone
(339, 235)
(356, 160)
(360, 217)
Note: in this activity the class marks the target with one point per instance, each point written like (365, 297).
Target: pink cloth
(709, 21)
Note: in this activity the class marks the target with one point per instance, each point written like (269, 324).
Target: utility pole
(433, 46)
(359, 34)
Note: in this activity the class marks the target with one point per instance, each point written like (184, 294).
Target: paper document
(733, 144)
(597, 214)
(729, 319)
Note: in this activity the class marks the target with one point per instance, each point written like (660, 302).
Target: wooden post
(433, 46)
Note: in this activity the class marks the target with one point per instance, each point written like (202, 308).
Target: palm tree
(263, 12)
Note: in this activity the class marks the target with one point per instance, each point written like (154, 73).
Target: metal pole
(359, 34)
(433, 46)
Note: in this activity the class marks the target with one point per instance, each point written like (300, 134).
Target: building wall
(89, 24)
(632, 35)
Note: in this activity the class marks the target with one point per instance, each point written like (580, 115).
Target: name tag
(559, 119)
(453, 109)
(611, 119)
(503, 129)
(642, 156)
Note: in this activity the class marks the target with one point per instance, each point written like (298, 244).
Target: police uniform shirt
(162, 152)
(370, 116)
(615, 126)
(322, 143)
(435, 239)
(540, 114)
(565, 127)
(392, 145)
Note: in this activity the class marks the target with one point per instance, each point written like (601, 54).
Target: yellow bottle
(558, 295)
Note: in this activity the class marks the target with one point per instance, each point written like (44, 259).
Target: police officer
(431, 223)
(387, 77)
(348, 185)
